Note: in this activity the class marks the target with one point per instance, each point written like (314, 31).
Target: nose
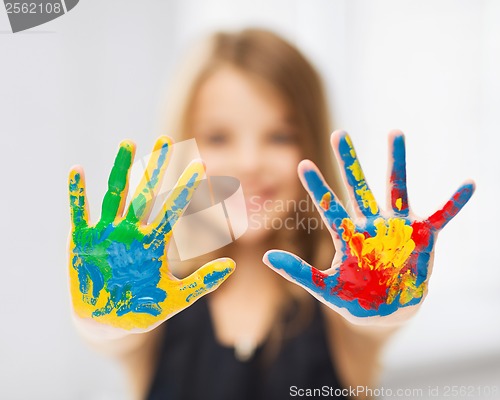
(249, 158)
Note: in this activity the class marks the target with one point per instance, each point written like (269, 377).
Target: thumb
(295, 269)
(206, 278)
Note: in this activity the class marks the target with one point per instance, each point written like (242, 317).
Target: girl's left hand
(383, 259)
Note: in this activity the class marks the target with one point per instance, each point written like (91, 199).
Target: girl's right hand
(118, 268)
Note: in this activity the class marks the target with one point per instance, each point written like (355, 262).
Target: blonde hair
(265, 56)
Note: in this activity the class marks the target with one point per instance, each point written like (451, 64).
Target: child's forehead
(233, 85)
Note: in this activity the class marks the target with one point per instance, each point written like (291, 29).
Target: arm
(356, 350)
(140, 364)
(136, 353)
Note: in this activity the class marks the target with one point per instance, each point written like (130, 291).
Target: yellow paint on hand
(388, 251)
(180, 294)
(399, 203)
(368, 199)
(325, 201)
(351, 146)
(362, 188)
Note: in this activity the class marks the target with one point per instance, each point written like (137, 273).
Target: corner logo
(30, 13)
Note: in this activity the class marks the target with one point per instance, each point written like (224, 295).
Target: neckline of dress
(243, 352)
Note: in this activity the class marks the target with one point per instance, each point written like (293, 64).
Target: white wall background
(72, 89)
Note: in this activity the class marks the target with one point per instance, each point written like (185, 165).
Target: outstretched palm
(118, 267)
(383, 262)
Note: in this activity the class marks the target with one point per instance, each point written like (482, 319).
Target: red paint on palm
(368, 286)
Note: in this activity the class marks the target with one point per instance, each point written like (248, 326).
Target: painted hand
(118, 267)
(383, 260)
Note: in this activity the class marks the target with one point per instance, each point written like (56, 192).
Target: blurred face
(243, 129)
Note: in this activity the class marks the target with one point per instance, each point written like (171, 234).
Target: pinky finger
(78, 198)
(440, 218)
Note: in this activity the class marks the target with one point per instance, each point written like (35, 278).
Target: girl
(256, 108)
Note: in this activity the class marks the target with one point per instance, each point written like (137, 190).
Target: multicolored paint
(384, 261)
(118, 267)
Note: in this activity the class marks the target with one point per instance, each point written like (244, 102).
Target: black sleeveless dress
(194, 366)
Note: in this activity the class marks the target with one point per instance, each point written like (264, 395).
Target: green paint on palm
(94, 243)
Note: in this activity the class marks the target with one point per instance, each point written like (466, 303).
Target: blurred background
(72, 89)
